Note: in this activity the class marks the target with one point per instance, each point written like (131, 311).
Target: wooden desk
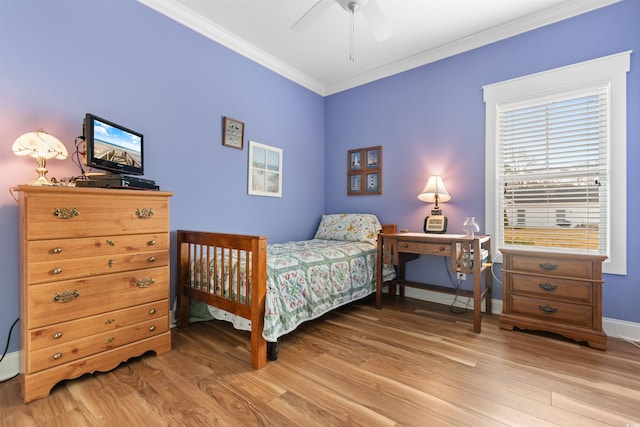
(464, 252)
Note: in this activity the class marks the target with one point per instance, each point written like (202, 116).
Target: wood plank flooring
(413, 363)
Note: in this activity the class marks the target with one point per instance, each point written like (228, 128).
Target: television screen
(111, 147)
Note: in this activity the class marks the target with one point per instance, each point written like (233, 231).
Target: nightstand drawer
(425, 248)
(574, 314)
(549, 265)
(550, 287)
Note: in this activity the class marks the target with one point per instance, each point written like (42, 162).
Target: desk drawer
(443, 249)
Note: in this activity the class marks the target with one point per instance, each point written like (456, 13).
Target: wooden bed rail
(237, 293)
(228, 271)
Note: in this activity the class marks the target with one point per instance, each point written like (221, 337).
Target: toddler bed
(271, 289)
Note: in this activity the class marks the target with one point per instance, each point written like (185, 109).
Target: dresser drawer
(65, 332)
(553, 311)
(65, 269)
(425, 248)
(50, 303)
(45, 250)
(549, 266)
(64, 216)
(550, 287)
(66, 352)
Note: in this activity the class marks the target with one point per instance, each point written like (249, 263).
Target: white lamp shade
(433, 187)
(39, 144)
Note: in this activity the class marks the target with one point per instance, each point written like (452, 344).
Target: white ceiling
(424, 31)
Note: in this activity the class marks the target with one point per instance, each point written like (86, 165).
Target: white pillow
(349, 227)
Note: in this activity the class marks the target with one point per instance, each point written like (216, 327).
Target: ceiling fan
(370, 10)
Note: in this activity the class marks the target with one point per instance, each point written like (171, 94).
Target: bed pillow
(350, 227)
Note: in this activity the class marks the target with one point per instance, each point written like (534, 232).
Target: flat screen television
(111, 147)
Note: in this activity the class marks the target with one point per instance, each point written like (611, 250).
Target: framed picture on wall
(355, 160)
(265, 170)
(364, 171)
(232, 133)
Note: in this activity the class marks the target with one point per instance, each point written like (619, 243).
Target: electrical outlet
(462, 276)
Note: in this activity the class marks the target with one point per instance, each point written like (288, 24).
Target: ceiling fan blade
(312, 15)
(377, 21)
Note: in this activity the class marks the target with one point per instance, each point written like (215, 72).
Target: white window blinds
(552, 172)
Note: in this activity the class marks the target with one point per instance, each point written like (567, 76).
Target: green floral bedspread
(305, 280)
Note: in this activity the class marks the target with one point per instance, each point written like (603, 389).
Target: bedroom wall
(431, 120)
(125, 62)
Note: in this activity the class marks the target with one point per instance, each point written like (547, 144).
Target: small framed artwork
(355, 183)
(373, 183)
(233, 133)
(372, 156)
(364, 171)
(265, 170)
(355, 160)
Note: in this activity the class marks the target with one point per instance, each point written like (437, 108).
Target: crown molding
(186, 17)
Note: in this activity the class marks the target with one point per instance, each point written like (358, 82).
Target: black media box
(118, 181)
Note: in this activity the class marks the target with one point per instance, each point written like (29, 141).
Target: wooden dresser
(94, 273)
(554, 292)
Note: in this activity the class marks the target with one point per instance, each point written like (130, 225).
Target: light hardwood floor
(412, 363)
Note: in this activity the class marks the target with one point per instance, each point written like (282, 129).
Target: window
(551, 141)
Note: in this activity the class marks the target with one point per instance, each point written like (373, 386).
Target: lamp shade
(39, 144)
(434, 191)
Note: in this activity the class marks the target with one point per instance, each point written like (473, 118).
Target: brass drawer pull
(57, 335)
(110, 340)
(109, 321)
(151, 243)
(152, 259)
(56, 250)
(548, 287)
(57, 270)
(65, 213)
(547, 309)
(111, 242)
(57, 356)
(110, 263)
(152, 311)
(66, 296)
(547, 266)
(145, 282)
(152, 328)
(144, 212)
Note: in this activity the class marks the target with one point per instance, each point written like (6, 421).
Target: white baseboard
(10, 365)
(612, 327)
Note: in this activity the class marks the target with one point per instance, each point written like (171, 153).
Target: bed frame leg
(273, 351)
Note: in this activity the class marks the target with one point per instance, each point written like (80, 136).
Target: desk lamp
(434, 191)
(41, 146)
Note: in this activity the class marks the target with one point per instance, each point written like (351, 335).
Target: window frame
(609, 70)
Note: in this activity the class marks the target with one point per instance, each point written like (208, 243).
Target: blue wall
(125, 62)
(431, 120)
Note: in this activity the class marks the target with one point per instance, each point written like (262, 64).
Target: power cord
(6, 348)
(452, 308)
